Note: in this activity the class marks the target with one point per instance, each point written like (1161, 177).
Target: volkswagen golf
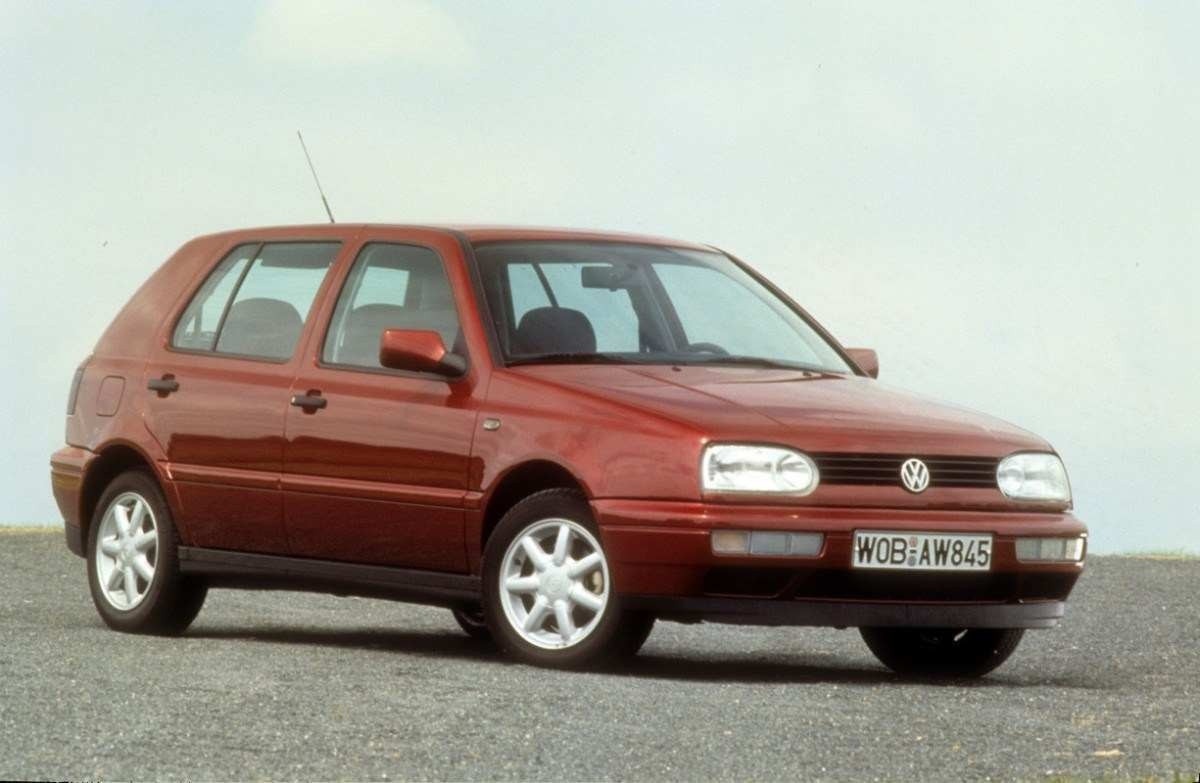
(560, 436)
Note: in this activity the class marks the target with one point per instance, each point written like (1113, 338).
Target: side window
(197, 329)
(256, 305)
(390, 287)
(273, 300)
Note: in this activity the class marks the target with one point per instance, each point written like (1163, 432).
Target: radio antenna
(316, 179)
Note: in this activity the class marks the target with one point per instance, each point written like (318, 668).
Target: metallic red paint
(398, 470)
(866, 359)
(416, 350)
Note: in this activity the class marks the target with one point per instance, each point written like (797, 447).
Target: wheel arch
(518, 483)
(111, 461)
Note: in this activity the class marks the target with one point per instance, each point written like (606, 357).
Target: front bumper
(847, 614)
(661, 560)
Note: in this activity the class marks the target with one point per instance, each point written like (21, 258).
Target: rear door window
(258, 307)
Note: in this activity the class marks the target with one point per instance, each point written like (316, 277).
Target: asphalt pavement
(294, 686)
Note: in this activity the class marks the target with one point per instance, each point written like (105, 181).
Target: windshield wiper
(608, 358)
(567, 358)
(753, 361)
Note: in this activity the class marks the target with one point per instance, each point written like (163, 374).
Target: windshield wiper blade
(754, 361)
(567, 358)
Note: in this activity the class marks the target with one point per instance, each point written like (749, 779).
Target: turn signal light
(766, 543)
(1050, 550)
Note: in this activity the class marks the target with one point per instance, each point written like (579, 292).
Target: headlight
(739, 468)
(1033, 476)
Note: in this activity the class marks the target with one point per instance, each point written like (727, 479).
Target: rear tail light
(74, 395)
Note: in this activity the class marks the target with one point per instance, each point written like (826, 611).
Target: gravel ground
(291, 686)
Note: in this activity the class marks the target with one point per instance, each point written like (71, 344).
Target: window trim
(260, 244)
(323, 335)
(483, 308)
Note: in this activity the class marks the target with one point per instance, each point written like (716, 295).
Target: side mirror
(866, 359)
(418, 350)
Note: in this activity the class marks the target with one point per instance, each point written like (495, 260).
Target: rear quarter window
(197, 328)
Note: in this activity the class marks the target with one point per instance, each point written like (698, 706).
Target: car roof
(474, 233)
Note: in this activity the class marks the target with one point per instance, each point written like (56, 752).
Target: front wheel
(548, 594)
(942, 652)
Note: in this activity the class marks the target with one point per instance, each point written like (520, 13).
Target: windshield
(581, 302)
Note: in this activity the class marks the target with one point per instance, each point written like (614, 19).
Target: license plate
(922, 551)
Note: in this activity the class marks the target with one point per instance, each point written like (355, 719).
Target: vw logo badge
(915, 475)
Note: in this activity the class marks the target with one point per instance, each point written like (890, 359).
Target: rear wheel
(472, 621)
(133, 563)
(942, 652)
(548, 595)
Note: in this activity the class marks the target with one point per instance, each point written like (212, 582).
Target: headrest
(261, 327)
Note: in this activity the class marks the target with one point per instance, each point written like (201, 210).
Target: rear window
(256, 300)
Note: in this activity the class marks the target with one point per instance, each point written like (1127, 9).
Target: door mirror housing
(418, 350)
(866, 359)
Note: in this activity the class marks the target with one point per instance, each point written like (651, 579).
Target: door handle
(310, 402)
(164, 385)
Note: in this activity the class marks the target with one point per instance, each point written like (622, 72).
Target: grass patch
(1161, 554)
(23, 530)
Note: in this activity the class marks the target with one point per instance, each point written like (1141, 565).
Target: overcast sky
(1001, 198)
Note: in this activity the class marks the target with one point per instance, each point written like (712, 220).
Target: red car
(562, 436)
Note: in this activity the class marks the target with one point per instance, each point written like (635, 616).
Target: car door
(218, 391)
(379, 472)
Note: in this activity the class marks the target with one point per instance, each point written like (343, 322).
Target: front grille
(863, 469)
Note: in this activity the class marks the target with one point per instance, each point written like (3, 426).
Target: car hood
(812, 411)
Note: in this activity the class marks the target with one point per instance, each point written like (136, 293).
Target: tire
(942, 652)
(519, 593)
(165, 603)
(472, 621)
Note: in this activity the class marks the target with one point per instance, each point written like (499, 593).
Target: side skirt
(248, 571)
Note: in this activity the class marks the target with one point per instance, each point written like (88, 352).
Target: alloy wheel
(126, 551)
(554, 583)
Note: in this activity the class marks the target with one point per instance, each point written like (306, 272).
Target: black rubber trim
(74, 539)
(847, 614)
(275, 572)
(482, 306)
